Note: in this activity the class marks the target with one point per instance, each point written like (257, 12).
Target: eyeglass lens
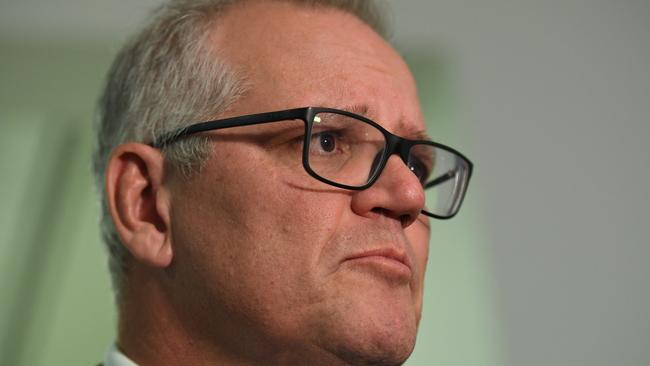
(347, 151)
(342, 148)
(446, 182)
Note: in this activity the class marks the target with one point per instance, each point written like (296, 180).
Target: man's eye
(327, 142)
(323, 143)
(419, 169)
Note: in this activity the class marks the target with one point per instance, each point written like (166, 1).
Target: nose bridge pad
(403, 150)
(395, 147)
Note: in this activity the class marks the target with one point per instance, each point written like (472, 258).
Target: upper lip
(391, 253)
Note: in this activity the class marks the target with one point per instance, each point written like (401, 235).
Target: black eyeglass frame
(394, 144)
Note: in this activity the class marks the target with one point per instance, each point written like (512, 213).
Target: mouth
(387, 262)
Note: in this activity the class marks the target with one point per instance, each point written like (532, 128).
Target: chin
(385, 350)
(380, 335)
(366, 318)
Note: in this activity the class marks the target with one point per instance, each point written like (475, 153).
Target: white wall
(556, 97)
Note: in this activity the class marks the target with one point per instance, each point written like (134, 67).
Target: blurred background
(547, 263)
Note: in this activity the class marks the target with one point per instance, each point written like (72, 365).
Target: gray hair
(166, 77)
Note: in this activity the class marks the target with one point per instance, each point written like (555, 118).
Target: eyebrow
(413, 133)
(403, 129)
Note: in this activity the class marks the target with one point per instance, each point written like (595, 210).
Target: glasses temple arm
(441, 179)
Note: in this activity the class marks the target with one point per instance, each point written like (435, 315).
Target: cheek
(418, 236)
(255, 233)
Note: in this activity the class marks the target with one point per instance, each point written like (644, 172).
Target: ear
(139, 203)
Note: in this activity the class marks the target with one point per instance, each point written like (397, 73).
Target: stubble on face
(262, 247)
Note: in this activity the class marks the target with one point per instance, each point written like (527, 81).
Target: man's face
(262, 251)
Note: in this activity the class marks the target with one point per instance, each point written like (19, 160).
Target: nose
(397, 193)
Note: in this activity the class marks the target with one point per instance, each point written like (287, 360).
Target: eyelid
(321, 129)
(289, 134)
(328, 121)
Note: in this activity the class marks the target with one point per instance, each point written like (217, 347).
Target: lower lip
(385, 266)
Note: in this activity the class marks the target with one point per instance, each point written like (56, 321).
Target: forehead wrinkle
(325, 71)
(403, 129)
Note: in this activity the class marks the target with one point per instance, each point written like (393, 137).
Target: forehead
(295, 56)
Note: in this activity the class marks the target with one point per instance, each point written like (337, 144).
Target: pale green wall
(458, 325)
(56, 306)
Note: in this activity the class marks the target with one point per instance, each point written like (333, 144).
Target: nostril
(406, 220)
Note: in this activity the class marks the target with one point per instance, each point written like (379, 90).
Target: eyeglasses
(350, 151)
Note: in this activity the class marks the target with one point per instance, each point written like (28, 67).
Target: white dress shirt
(116, 358)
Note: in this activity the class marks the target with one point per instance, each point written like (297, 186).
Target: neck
(152, 330)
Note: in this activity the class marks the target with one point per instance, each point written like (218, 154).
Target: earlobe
(139, 204)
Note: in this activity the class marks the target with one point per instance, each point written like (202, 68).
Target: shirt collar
(116, 358)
